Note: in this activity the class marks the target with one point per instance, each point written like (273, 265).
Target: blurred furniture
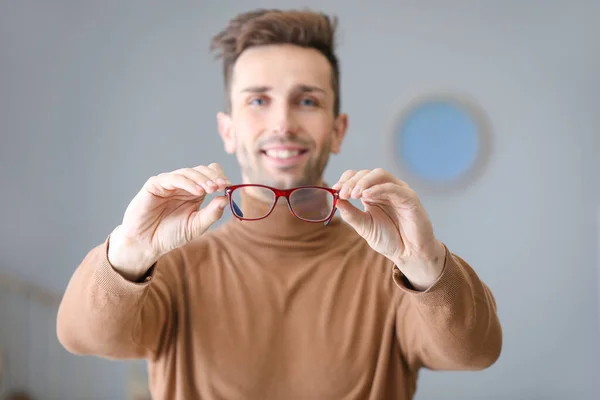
(34, 365)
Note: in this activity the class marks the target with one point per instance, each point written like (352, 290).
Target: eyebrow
(255, 89)
(300, 88)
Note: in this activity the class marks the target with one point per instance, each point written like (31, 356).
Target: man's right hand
(164, 215)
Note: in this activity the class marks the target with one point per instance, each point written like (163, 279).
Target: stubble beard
(255, 173)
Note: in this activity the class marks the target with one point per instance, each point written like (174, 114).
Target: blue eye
(257, 102)
(308, 102)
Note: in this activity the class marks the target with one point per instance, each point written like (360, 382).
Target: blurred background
(95, 97)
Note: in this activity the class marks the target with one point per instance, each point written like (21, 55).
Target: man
(286, 300)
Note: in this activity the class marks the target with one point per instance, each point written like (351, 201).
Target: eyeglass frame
(286, 193)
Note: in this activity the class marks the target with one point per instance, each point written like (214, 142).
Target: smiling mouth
(281, 154)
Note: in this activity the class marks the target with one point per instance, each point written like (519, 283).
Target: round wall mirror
(440, 142)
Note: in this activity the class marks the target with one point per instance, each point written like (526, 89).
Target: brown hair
(270, 26)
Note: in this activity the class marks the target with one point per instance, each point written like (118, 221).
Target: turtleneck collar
(281, 227)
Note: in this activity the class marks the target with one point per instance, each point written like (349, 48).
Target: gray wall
(97, 96)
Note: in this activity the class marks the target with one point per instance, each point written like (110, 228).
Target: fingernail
(355, 192)
(220, 181)
(211, 183)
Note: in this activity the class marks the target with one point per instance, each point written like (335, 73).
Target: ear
(340, 127)
(225, 130)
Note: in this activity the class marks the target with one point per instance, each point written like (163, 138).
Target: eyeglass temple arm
(330, 218)
(237, 209)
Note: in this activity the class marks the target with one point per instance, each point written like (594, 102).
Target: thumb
(205, 217)
(357, 219)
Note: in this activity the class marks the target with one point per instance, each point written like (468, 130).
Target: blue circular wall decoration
(441, 142)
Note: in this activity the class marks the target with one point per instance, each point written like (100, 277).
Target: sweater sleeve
(104, 314)
(453, 325)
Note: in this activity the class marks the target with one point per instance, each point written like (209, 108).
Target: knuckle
(411, 194)
(183, 171)
(348, 173)
(151, 182)
(362, 173)
(380, 172)
(209, 170)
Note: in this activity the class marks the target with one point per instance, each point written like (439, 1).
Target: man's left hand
(394, 223)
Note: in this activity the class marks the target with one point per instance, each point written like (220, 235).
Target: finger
(345, 176)
(211, 177)
(392, 194)
(347, 189)
(202, 219)
(216, 174)
(357, 219)
(164, 185)
(216, 167)
(376, 176)
(199, 178)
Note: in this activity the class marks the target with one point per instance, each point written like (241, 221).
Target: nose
(283, 121)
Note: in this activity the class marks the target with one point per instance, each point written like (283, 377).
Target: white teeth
(282, 154)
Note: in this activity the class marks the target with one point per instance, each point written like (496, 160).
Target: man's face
(282, 126)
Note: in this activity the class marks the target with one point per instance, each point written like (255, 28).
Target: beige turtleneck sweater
(280, 309)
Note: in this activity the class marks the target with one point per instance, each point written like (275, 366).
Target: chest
(324, 327)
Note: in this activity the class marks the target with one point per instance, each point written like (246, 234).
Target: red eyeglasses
(308, 203)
